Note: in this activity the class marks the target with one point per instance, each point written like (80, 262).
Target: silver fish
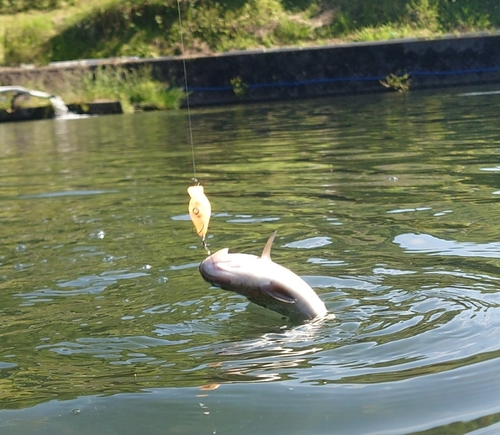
(263, 282)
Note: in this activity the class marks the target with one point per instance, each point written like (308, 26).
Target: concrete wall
(312, 72)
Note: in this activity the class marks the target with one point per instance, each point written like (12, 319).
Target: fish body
(263, 282)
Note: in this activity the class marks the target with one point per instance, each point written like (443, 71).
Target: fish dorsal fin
(266, 252)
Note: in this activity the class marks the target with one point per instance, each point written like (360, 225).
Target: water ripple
(110, 348)
(67, 193)
(427, 244)
(311, 243)
(89, 284)
(385, 204)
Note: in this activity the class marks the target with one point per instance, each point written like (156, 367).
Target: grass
(79, 29)
(135, 89)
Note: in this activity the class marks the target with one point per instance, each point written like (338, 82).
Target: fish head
(226, 270)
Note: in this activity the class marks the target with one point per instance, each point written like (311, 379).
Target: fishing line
(195, 180)
(199, 207)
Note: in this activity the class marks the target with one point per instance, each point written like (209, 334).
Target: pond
(387, 205)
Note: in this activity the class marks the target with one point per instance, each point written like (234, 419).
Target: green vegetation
(135, 89)
(41, 31)
(239, 87)
(399, 83)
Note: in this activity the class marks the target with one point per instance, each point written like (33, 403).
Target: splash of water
(60, 108)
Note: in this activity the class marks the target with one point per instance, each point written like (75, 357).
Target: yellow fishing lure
(199, 210)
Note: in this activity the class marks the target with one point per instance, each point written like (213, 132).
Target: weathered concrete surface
(343, 69)
(97, 108)
(310, 72)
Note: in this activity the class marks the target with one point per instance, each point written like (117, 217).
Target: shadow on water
(386, 205)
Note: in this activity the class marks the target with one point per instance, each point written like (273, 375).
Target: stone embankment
(278, 74)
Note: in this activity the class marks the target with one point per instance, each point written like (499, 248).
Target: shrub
(134, 88)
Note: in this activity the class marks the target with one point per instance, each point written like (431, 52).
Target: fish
(263, 282)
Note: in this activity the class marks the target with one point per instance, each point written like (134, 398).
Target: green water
(386, 205)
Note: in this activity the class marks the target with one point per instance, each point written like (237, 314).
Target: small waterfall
(60, 108)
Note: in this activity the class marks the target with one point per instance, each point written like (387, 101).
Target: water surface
(387, 205)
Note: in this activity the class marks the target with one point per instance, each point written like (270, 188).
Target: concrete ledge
(343, 69)
(26, 114)
(97, 108)
(47, 112)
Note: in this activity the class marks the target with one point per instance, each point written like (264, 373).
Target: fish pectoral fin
(278, 292)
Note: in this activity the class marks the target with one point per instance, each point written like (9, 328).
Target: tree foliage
(150, 28)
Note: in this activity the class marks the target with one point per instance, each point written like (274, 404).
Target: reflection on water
(436, 246)
(386, 205)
